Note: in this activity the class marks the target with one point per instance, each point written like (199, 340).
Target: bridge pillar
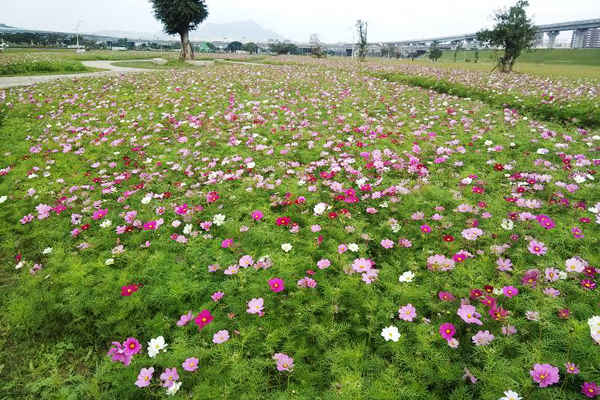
(469, 44)
(453, 45)
(538, 41)
(578, 35)
(552, 38)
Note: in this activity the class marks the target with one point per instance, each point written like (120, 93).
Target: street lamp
(351, 31)
(77, 33)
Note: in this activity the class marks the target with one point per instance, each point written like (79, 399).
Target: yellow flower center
(468, 315)
(447, 330)
(146, 378)
(203, 319)
(284, 365)
(275, 285)
(542, 376)
(191, 364)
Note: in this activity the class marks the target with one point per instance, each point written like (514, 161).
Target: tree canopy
(361, 29)
(179, 17)
(513, 31)
(434, 51)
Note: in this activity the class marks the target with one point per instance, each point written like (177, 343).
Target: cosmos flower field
(305, 231)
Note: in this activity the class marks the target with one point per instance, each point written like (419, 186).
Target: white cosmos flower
(320, 208)
(286, 247)
(106, 223)
(219, 219)
(3, 199)
(155, 346)
(173, 389)
(510, 395)
(47, 250)
(390, 333)
(110, 261)
(353, 247)
(507, 224)
(408, 276)
(188, 229)
(146, 200)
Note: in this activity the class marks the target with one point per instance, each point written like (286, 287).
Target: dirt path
(32, 80)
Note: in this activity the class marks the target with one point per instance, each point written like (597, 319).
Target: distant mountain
(243, 31)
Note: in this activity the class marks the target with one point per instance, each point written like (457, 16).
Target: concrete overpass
(579, 29)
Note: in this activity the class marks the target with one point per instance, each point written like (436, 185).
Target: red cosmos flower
(204, 318)
(488, 288)
(564, 314)
(489, 301)
(478, 189)
(499, 167)
(498, 313)
(333, 215)
(449, 238)
(285, 221)
(85, 227)
(476, 293)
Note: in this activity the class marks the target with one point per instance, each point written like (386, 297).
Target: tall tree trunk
(186, 47)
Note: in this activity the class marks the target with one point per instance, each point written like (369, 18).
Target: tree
(251, 47)
(434, 51)
(283, 48)
(476, 55)
(513, 31)
(457, 50)
(180, 17)
(234, 46)
(316, 46)
(361, 29)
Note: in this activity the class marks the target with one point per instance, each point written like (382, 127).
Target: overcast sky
(388, 19)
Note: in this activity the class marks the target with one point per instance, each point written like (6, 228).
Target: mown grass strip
(583, 114)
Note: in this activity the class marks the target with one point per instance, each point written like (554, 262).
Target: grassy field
(302, 231)
(171, 64)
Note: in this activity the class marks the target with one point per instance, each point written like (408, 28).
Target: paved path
(32, 80)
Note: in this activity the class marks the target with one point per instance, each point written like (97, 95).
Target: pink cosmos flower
(544, 374)
(246, 261)
(150, 226)
(471, 233)
(537, 248)
(117, 354)
(342, 248)
(257, 215)
(226, 243)
(370, 276)
(276, 284)
(387, 244)
(408, 312)
(204, 318)
(169, 377)
(190, 364)
(185, 319)
(361, 265)
(220, 337)
(446, 296)
(508, 330)
(324, 263)
(307, 282)
(425, 228)
(216, 296)
(469, 315)
(284, 362)
(482, 338)
(144, 377)
(447, 330)
(571, 368)
(255, 306)
(510, 291)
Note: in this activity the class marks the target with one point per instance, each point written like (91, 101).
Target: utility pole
(352, 32)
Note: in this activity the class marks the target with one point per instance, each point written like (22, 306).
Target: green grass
(43, 68)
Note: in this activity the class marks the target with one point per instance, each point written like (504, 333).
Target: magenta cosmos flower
(204, 318)
(169, 377)
(408, 312)
(447, 330)
(255, 306)
(257, 215)
(468, 313)
(132, 346)
(510, 291)
(590, 389)
(537, 248)
(276, 285)
(284, 362)
(544, 374)
(144, 377)
(190, 364)
(220, 337)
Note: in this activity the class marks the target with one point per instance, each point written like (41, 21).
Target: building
(591, 38)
